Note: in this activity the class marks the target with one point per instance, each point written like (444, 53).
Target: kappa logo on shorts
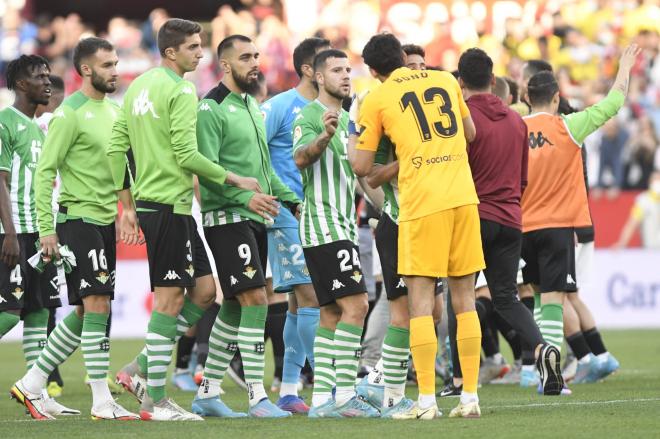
(3, 300)
(103, 277)
(250, 272)
(569, 279)
(233, 280)
(171, 275)
(401, 283)
(357, 276)
(84, 284)
(190, 270)
(18, 293)
(288, 275)
(337, 285)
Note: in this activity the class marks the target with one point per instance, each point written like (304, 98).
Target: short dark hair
(229, 43)
(501, 89)
(56, 83)
(513, 89)
(22, 67)
(321, 58)
(305, 52)
(475, 68)
(413, 49)
(383, 53)
(88, 47)
(174, 32)
(533, 66)
(541, 88)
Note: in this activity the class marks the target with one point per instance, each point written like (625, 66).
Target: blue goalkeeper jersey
(279, 113)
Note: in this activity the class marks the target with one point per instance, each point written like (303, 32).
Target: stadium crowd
(581, 39)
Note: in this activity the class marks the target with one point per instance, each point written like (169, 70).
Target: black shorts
(96, 259)
(387, 244)
(240, 251)
(502, 246)
(549, 256)
(335, 270)
(24, 288)
(175, 250)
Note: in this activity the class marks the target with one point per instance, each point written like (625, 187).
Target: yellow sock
(468, 339)
(424, 347)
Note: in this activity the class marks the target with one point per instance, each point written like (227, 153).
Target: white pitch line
(552, 404)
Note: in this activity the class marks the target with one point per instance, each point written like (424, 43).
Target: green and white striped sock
(347, 356)
(95, 347)
(187, 318)
(324, 366)
(252, 348)
(537, 309)
(160, 344)
(396, 354)
(223, 344)
(552, 324)
(62, 342)
(35, 325)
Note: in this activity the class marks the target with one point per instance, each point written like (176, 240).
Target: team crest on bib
(250, 272)
(18, 293)
(102, 277)
(357, 276)
(190, 270)
(297, 134)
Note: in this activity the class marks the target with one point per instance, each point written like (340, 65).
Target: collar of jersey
(20, 113)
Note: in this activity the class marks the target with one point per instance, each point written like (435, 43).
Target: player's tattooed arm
(308, 154)
(626, 63)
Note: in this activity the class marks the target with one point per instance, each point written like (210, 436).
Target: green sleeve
(119, 145)
(5, 149)
(209, 142)
(62, 133)
(183, 112)
(585, 122)
(383, 152)
(282, 191)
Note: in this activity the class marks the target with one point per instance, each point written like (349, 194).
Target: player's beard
(248, 86)
(336, 93)
(101, 84)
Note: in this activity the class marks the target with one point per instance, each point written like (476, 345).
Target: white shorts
(584, 257)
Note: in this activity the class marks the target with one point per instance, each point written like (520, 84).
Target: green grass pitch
(625, 405)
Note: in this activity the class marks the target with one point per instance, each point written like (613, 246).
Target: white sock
(34, 380)
(375, 377)
(289, 389)
(209, 388)
(256, 393)
(426, 401)
(603, 356)
(529, 367)
(585, 360)
(100, 392)
(343, 396)
(320, 398)
(393, 395)
(467, 397)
